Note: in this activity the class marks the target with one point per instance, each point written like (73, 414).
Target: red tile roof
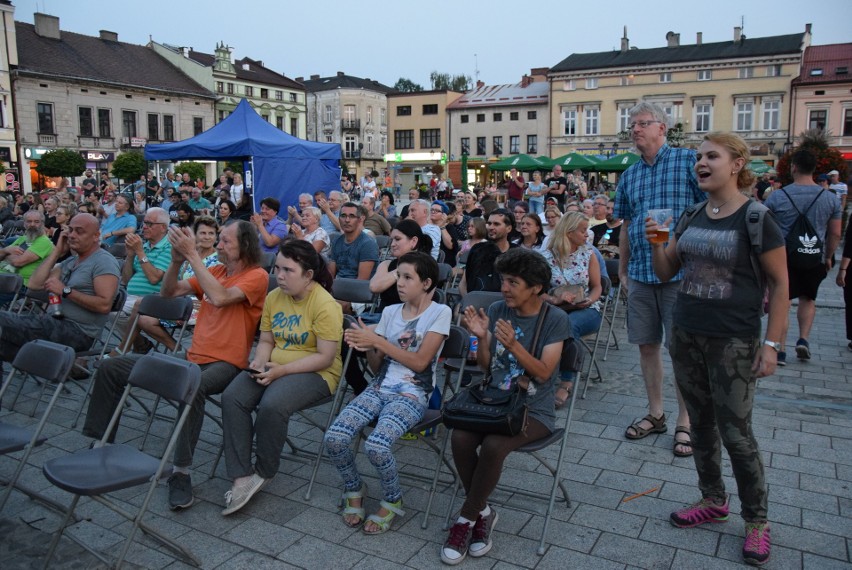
(826, 64)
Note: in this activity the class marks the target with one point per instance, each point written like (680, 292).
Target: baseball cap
(822, 177)
(442, 205)
(833, 172)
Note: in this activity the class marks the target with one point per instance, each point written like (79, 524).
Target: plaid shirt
(668, 183)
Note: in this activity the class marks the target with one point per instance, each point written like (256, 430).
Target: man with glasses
(355, 254)
(599, 206)
(479, 273)
(663, 179)
(330, 211)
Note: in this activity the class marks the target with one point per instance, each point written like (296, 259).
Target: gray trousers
(274, 405)
(18, 330)
(109, 384)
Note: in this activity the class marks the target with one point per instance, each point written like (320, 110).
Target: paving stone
(814, 562)
(256, 560)
(560, 559)
(621, 523)
(805, 540)
(809, 439)
(311, 552)
(831, 524)
(630, 484)
(632, 551)
(826, 485)
(730, 548)
(262, 536)
(804, 499)
(693, 539)
(612, 462)
(802, 465)
(562, 534)
(687, 559)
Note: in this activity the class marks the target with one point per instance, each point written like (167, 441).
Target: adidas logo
(807, 240)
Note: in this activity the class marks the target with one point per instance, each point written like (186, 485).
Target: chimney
(699, 38)
(526, 80)
(300, 80)
(539, 73)
(738, 34)
(625, 43)
(47, 26)
(673, 39)
(109, 36)
(184, 51)
(340, 74)
(479, 84)
(314, 77)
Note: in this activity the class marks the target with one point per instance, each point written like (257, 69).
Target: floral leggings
(396, 415)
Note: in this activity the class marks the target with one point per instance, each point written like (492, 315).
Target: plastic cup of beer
(663, 218)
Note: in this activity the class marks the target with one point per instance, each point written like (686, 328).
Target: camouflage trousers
(715, 379)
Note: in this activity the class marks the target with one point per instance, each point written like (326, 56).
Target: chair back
(445, 271)
(35, 299)
(352, 290)
(612, 270)
(45, 359)
(457, 343)
(606, 285)
(166, 376)
(461, 259)
(120, 299)
(572, 356)
(439, 296)
(269, 261)
(273, 283)
(478, 300)
(118, 250)
(10, 283)
(170, 309)
(382, 242)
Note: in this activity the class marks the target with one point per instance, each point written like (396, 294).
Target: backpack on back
(804, 247)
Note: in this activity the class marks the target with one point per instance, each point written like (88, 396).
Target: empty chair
(10, 288)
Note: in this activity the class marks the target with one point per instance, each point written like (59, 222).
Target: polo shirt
(200, 204)
(160, 256)
(113, 223)
(276, 227)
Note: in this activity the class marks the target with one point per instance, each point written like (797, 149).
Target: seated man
(232, 296)
(86, 284)
(373, 221)
(27, 252)
(355, 254)
(119, 224)
(270, 228)
(198, 203)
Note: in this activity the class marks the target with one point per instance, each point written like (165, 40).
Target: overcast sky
(403, 38)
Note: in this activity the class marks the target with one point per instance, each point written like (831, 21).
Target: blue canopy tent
(277, 164)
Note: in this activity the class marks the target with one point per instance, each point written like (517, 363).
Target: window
(532, 115)
(279, 95)
(480, 146)
(279, 123)
(249, 91)
(153, 127)
(705, 75)
(592, 120)
(569, 85)
(369, 114)
(744, 114)
(220, 87)
(369, 144)
(350, 147)
(532, 144)
(430, 109)
(222, 115)
(45, 118)
(264, 93)
(430, 138)
(480, 117)
(168, 127)
(465, 145)
(294, 98)
(230, 88)
(403, 110)
(128, 123)
(626, 80)
(702, 117)
(847, 123)
(382, 113)
(665, 78)
(197, 125)
(329, 114)
(771, 114)
(104, 123)
(745, 72)
(513, 116)
(623, 118)
(403, 139)
(817, 119)
(591, 83)
(514, 144)
(842, 70)
(384, 143)
(85, 114)
(265, 117)
(498, 117)
(329, 138)
(817, 71)
(773, 70)
(569, 121)
(465, 118)
(497, 145)
(349, 113)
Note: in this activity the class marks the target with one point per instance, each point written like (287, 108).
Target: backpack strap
(687, 217)
(755, 214)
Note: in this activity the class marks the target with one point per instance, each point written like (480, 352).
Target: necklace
(716, 209)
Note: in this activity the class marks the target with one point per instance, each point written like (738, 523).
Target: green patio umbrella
(618, 162)
(758, 166)
(522, 162)
(545, 160)
(574, 160)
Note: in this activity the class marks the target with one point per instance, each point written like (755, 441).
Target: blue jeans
(584, 321)
(536, 205)
(396, 413)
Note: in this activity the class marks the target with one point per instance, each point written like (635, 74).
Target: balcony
(46, 139)
(350, 124)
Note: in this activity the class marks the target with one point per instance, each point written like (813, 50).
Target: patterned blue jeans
(396, 415)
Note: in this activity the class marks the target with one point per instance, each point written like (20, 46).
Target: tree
(129, 166)
(195, 170)
(406, 85)
(446, 81)
(816, 141)
(61, 162)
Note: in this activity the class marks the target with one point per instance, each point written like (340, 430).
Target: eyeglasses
(438, 211)
(149, 224)
(641, 124)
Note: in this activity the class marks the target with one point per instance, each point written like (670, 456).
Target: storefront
(415, 168)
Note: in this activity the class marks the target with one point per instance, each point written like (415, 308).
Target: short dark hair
(250, 252)
(508, 218)
(424, 265)
(525, 264)
(389, 194)
(362, 213)
(271, 203)
(306, 257)
(804, 160)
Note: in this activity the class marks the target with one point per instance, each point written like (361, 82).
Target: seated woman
(311, 232)
(552, 215)
(532, 232)
(505, 334)
(297, 363)
(575, 283)
(403, 350)
(226, 212)
(477, 233)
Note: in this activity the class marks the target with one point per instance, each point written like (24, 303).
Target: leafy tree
(195, 170)
(451, 82)
(828, 158)
(129, 166)
(406, 85)
(61, 162)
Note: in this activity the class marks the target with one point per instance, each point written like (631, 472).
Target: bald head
(84, 235)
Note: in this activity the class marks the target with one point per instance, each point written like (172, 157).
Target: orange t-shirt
(225, 334)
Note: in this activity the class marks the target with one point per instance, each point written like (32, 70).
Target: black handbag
(487, 409)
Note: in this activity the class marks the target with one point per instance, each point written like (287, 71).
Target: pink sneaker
(757, 543)
(701, 512)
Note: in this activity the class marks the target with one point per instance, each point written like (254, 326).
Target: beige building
(8, 59)
(419, 133)
(740, 85)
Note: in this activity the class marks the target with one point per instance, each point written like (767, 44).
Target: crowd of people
(700, 291)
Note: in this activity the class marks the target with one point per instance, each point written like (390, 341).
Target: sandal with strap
(681, 443)
(349, 509)
(658, 425)
(384, 523)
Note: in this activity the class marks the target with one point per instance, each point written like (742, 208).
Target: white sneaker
(238, 496)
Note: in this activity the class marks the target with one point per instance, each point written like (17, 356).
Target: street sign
(10, 178)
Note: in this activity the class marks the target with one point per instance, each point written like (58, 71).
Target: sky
(496, 41)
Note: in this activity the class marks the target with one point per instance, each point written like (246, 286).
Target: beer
(662, 236)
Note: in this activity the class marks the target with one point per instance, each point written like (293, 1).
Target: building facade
(98, 96)
(353, 112)
(8, 59)
(740, 85)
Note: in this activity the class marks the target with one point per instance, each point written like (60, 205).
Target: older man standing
(664, 178)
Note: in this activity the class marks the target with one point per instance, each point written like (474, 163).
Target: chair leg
(437, 474)
(60, 531)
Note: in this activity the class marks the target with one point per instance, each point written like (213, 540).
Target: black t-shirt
(601, 229)
(479, 273)
(554, 182)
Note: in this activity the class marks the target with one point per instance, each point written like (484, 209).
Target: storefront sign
(34, 153)
(97, 156)
(137, 142)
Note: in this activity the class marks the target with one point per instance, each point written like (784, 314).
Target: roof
(747, 48)
(89, 58)
(343, 81)
(501, 95)
(829, 59)
(256, 72)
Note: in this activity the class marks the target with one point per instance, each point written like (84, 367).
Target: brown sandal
(658, 425)
(682, 444)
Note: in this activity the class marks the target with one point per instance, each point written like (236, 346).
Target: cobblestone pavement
(802, 418)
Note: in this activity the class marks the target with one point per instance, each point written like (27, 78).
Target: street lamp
(614, 148)
(601, 148)
(771, 146)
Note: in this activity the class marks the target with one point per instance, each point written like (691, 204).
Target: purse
(486, 409)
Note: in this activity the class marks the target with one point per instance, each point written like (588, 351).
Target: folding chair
(35, 300)
(51, 362)
(383, 242)
(269, 261)
(445, 273)
(354, 291)
(477, 300)
(612, 269)
(10, 284)
(606, 287)
(118, 250)
(107, 468)
(571, 356)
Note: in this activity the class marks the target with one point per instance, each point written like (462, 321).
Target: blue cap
(442, 204)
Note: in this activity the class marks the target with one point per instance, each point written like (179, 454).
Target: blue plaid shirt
(668, 183)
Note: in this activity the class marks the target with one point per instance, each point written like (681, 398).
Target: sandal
(658, 425)
(682, 444)
(568, 389)
(349, 509)
(384, 523)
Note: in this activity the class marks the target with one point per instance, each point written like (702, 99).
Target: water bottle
(54, 307)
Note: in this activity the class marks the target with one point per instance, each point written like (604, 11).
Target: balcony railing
(350, 124)
(47, 139)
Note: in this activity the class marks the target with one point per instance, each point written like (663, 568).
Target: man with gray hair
(27, 252)
(330, 211)
(418, 211)
(294, 216)
(663, 179)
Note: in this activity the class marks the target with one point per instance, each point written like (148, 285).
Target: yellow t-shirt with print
(296, 326)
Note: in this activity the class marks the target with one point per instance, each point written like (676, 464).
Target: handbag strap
(538, 324)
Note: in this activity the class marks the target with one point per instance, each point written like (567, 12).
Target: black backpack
(479, 272)
(804, 247)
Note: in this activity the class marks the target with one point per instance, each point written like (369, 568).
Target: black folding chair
(10, 284)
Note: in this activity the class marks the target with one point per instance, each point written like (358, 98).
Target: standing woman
(535, 193)
(843, 281)
(237, 188)
(716, 350)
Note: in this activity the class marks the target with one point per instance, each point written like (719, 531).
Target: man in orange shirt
(232, 296)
